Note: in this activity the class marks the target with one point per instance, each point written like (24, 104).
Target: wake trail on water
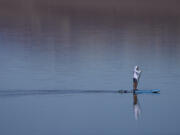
(48, 92)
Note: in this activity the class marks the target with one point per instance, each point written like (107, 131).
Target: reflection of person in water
(137, 109)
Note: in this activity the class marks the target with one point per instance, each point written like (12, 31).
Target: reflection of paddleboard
(140, 91)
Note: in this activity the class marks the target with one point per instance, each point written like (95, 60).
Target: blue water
(85, 51)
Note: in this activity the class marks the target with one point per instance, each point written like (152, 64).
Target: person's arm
(138, 71)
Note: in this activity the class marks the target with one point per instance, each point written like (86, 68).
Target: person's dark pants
(135, 84)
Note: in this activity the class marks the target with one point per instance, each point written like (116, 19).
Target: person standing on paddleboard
(136, 77)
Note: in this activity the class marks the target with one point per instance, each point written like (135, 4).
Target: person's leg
(135, 83)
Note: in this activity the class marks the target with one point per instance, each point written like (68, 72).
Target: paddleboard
(147, 91)
(140, 91)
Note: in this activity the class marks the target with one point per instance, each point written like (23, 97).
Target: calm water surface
(88, 51)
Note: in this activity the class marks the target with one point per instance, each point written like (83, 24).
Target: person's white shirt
(137, 73)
